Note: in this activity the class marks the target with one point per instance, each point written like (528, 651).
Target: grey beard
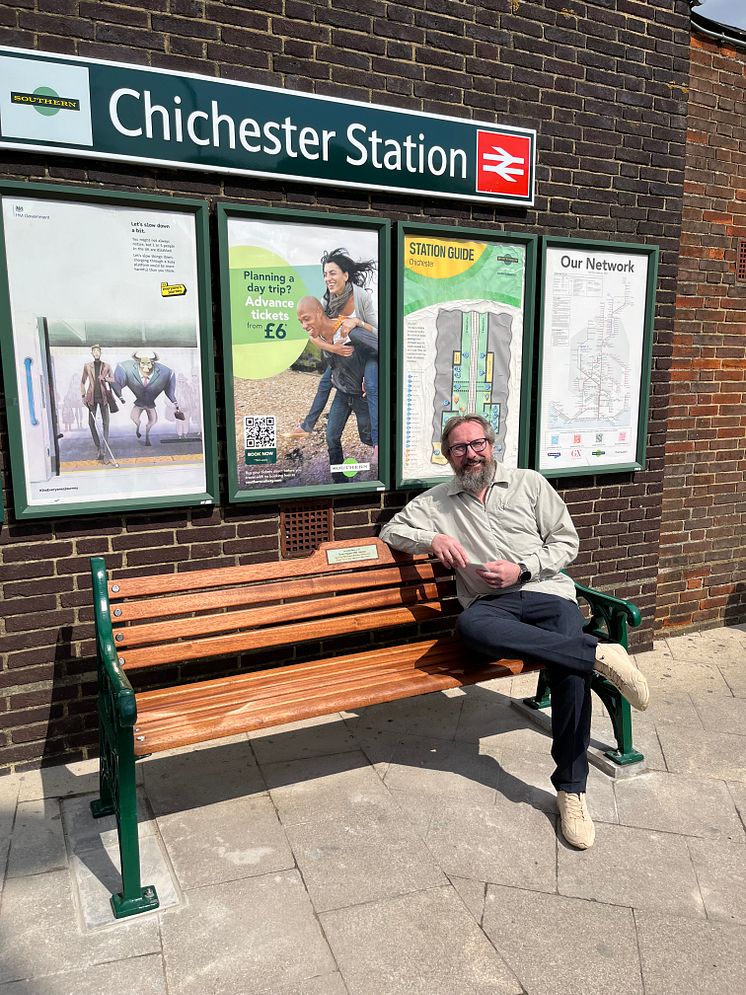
(474, 481)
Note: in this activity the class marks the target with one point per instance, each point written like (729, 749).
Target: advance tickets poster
(104, 361)
(465, 328)
(596, 341)
(303, 374)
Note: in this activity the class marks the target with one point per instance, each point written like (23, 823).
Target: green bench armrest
(112, 679)
(610, 616)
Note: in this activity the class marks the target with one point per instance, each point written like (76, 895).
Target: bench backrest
(351, 586)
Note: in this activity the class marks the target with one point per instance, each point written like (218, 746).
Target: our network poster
(104, 356)
(596, 340)
(465, 328)
(306, 340)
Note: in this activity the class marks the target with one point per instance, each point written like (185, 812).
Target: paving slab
(685, 955)
(37, 843)
(726, 715)
(416, 945)
(416, 807)
(435, 714)
(236, 838)
(688, 674)
(261, 935)
(450, 769)
(96, 875)
(505, 843)
(668, 708)
(575, 945)
(326, 788)
(327, 984)
(9, 787)
(721, 872)
(59, 782)
(708, 754)
(679, 803)
(39, 927)
(144, 975)
(472, 894)
(734, 675)
(193, 778)
(83, 832)
(737, 790)
(354, 860)
(526, 778)
(316, 737)
(635, 868)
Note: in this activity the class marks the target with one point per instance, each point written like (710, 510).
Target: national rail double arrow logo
(504, 162)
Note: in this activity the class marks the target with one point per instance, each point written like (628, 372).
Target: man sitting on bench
(508, 534)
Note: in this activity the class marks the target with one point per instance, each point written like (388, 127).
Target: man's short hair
(453, 423)
(309, 303)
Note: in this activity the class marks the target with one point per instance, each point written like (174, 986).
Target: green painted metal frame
(609, 619)
(651, 253)
(225, 213)
(498, 237)
(199, 210)
(117, 713)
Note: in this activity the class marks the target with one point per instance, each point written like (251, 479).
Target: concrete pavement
(407, 848)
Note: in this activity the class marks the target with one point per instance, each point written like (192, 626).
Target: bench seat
(376, 626)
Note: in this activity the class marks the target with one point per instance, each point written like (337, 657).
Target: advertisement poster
(104, 360)
(595, 354)
(304, 348)
(465, 328)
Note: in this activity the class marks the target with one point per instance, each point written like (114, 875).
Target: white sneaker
(613, 663)
(577, 825)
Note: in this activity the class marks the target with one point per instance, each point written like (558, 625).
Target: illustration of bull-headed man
(147, 379)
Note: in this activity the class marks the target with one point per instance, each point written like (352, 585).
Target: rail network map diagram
(594, 320)
(462, 341)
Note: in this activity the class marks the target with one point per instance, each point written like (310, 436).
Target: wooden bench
(351, 591)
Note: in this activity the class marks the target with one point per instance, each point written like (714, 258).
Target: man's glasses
(478, 445)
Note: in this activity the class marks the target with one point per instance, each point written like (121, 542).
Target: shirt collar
(501, 478)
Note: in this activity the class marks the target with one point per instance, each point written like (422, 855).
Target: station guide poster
(306, 352)
(107, 350)
(595, 348)
(464, 342)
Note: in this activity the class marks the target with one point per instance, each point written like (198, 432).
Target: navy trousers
(542, 628)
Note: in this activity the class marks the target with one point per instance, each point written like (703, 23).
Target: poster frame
(530, 242)
(199, 210)
(651, 253)
(226, 211)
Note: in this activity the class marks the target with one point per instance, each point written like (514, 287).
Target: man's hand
(449, 551)
(500, 573)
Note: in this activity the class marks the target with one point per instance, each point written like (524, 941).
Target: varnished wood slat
(317, 563)
(184, 604)
(403, 656)
(196, 649)
(150, 633)
(255, 696)
(154, 739)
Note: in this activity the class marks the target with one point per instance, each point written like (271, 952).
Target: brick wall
(702, 578)
(604, 84)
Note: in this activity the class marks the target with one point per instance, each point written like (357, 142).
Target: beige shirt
(522, 520)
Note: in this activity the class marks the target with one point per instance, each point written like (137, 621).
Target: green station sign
(106, 110)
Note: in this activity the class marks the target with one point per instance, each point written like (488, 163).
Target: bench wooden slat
(161, 729)
(317, 563)
(184, 604)
(388, 657)
(150, 656)
(253, 618)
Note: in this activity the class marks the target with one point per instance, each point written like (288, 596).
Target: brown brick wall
(702, 577)
(604, 84)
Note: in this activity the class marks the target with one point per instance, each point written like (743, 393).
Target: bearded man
(514, 533)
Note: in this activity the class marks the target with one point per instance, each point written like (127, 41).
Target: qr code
(260, 432)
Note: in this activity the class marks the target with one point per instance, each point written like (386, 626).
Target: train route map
(592, 350)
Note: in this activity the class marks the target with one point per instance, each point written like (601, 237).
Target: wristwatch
(525, 573)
